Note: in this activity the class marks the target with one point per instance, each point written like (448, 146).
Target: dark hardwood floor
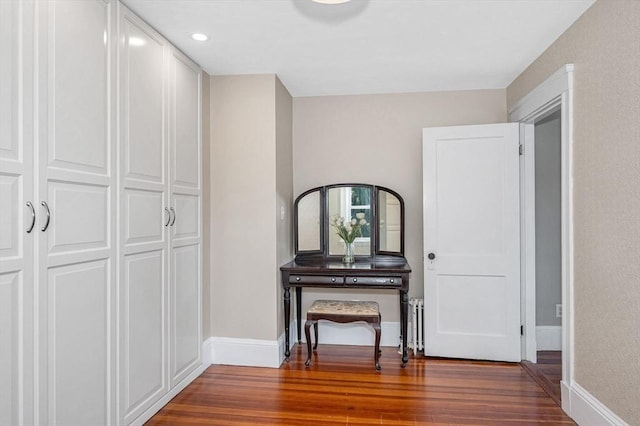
(547, 372)
(342, 387)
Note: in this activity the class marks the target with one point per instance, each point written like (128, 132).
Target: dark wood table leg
(299, 312)
(404, 311)
(287, 317)
(376, 348)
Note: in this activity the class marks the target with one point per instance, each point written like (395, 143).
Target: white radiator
(417, 325)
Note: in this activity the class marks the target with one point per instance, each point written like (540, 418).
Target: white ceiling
(366, 46)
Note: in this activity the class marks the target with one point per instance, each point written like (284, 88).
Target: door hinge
(521, 149)
(522, 326)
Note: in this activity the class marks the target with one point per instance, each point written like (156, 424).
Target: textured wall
(378, 139)
(604, 45)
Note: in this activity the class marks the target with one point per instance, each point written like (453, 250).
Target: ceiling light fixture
(199, 37)
(331, 1)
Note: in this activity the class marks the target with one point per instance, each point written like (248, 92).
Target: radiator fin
(416, 342)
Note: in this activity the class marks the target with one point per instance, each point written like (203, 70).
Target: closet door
(16, 218)
(76, 213)
(145, 216)
(186, 232)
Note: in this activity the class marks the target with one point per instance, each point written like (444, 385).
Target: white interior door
(17, 220)
(76, 219)
(186, 230)
(145, 216)
(472, 242)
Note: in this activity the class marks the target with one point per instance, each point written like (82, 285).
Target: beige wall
(378, 139)
(284, 190)
(206, 207)
(246, 190)
(604, 45)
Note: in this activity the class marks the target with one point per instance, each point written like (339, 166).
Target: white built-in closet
(100, 226)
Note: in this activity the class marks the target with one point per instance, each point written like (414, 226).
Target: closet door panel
(143, 100)
(144, 216)
(78, 87)
(185, 311)
(16, 189)
(9, 79)
(187, 224)
(186, 239)
(144, 341)
(143, 211)
(81, 217)
(185, 122)
(10, 332)
(78, 351)
(76, 256)
(11, 233)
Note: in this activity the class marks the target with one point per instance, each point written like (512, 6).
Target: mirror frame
(321, 197)
(378, 251)
(375, 252)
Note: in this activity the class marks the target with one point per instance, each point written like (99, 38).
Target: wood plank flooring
(547, 372)
(342, 387)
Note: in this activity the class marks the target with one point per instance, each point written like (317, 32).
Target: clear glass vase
(349, 253)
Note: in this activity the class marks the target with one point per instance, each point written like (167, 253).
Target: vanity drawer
(315, 279)
(373, 281)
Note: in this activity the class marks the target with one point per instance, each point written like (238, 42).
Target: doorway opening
(547, 367)
(554, 95)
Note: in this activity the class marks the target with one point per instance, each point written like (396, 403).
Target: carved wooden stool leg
(307, 336)
(376, 349)
(315, 333)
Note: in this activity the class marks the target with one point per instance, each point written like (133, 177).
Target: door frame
(556, 91)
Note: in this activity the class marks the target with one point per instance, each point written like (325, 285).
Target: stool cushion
(341, 307)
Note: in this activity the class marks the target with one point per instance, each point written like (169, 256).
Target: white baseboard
(247, 352)
(565, 397)
(549, 337)
(140, 420)
(587, 410)
(270, 353)
(207, 352)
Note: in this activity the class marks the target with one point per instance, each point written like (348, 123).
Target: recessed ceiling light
(331, 1)
(199, 37)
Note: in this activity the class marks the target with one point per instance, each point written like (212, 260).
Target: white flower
(363, 222)
(354, 222)
(359, 215)
(348, 228)
(339, 220)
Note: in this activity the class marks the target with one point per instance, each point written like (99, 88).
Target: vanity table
(379, 261)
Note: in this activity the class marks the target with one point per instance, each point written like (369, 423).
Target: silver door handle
(174, 215)
(46, 224)
(33, 217)
(169, 218)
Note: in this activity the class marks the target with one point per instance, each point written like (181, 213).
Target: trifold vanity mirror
(373, 219)
(377, 212)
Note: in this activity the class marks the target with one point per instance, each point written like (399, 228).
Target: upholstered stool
(343, 312)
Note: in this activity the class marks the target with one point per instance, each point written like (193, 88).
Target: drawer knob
(355, 280)
(333, 279)
(392, 281)
(297, 278)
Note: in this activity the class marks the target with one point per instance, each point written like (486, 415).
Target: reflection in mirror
(389, 217)
(309, 222)
(351, 203)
